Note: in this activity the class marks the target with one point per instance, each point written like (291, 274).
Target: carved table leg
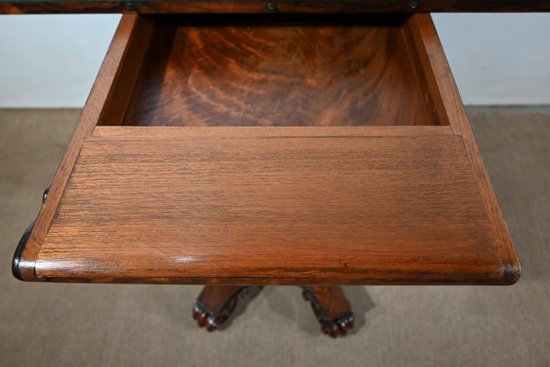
(331, 308)
(215, 304)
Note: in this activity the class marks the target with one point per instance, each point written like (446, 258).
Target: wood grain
(128, 71)
(274, 210)
(314, 205)
(448, 103)
(283, 6)
(244, 71)
(91, 113)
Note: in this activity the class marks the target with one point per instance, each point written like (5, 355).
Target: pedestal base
(331, 308)
(216, 303)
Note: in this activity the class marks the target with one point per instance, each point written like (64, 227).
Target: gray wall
(52, 60)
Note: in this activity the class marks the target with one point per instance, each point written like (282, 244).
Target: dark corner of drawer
(17, 265)
(511, 273)
(22, 269)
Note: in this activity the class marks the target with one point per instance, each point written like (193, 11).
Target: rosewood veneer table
(265, 144)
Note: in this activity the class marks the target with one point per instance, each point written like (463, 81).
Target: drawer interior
(271, 70)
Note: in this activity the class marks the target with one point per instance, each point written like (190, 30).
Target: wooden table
(306, 149)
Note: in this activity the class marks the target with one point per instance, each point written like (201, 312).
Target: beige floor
(118, 325)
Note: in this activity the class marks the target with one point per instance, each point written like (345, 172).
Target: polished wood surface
(448, 103)
(129, 68)
(282, 6)
(251, 70)
(234, 204)
(112, 67)
(318, 205)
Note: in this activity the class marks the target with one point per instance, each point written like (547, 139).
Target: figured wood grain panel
(279, 209)
(279, 71)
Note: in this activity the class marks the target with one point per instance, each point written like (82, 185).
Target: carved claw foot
(331, 308)
(215, 304)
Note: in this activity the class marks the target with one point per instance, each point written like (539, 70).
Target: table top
(256, 6)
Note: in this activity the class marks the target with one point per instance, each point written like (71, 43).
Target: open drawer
(272, 150)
